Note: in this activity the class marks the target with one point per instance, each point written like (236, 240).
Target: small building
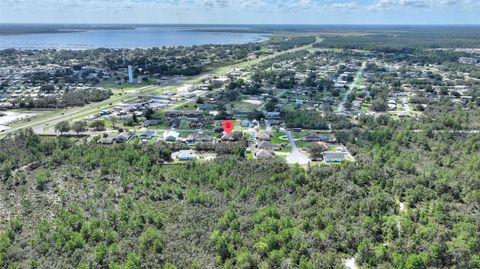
(335, 157)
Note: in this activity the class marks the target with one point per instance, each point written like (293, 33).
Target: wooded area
(411, 200)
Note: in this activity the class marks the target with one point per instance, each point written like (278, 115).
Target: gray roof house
(263, 153)
(147, 135)
(267, 145)
(185, 155)
(124, 137)
(148, 123)
(314, 137)
(335, 157)
(273, 115)
(198, 137)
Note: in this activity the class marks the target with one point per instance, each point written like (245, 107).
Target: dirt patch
(10, 117)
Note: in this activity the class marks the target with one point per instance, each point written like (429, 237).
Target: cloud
(414, 4)
(262, 6)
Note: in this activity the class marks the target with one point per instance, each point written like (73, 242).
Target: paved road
(406, 105)
(77, 112)
(296, 156)
(41, 124)
(341, 107)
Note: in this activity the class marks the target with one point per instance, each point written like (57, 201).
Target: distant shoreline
(143, 37)
(30, 29)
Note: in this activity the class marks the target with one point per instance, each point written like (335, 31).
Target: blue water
(145, 37)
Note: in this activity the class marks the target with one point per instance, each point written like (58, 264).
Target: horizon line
(247, 24)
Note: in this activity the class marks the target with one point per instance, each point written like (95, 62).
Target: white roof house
(171, 135)
(184, 155)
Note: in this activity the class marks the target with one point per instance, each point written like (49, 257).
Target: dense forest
(410, 200)
(77, 97)
(406, 40)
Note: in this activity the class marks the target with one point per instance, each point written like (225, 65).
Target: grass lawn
(277, 140)
(360, 82)
(188, 106)
(242, 106)
(301, 134)
(302, 144)
(365, 107)
(286, 149)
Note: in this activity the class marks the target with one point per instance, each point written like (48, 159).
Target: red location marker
(228, 126)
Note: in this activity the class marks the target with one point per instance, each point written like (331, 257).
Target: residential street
(341, 107)
(296, 156)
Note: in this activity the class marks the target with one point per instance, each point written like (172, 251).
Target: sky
(242, 11)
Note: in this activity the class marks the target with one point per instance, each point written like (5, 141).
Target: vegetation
(69, 98)
(308, 119)
(114, 207)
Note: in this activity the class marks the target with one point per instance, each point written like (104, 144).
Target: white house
(171, 135)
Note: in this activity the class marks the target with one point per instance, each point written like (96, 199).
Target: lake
(143, 37)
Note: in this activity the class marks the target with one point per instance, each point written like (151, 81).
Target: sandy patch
(351, 263)
(9, 117)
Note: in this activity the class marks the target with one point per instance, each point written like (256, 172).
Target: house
(123, 137)
(272, 123)
(246, 123)
(198, 137)
(219, 82)
(264, 136)
(324, 145)
(262, 153)
(267, 145)
(335, 157)
(205, 107)
(314, 137)
(298, 102)
(328, 100)
(171, 136)
(273, 115)
(149, 123)
(147, 135)
(227, 137)
(107, 140)
(184, 155)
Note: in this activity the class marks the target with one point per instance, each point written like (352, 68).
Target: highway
(78, 112)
